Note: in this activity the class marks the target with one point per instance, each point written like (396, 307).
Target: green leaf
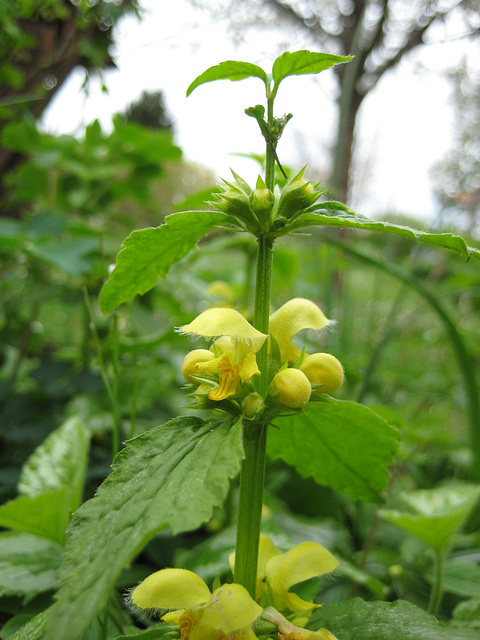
(161, 630)
(34, 628)
(460, 577)
(303, 62)
(147, 254)
(171, 476)
(340, 444)
(438, 513)
(338, 215)
(46, 515)
(467, 614)
(70, 256)
(60, 461)
(229, 70)
(28, 565)
(359, 620)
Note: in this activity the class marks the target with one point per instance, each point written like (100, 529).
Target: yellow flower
(289, 631)
(280, 571)
(227, 612)
(237, 344)
(292, 317)
(324, 369)
(192, 358)
(293, 388)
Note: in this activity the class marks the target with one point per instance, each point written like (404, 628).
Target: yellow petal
(266, 551)
(293, 388)
(292, 317)
(170, 589)
(231, 608)
(324, 369)
(229, 380)
(248, 368)
(173, 617)
(193, 358)
(289, 631)
(304, 561)
(224, 322)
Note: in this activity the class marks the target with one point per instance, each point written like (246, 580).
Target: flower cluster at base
(230, 613)
(221, 377)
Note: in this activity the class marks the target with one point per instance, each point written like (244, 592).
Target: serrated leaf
(229, 70)
(46, 515)
(338, 215)
(148, 254)
(34, 628)
(303, 62)
(359, 620)
(438, 513)
(171, 476)
(340, 444)
(60, 461)
(28, 565)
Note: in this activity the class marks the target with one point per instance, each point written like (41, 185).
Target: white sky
(405, 125)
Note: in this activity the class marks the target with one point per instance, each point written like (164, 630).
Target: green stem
(261, 311)
(250, 505)
(436, 593)
(269, 155)
(254, 440)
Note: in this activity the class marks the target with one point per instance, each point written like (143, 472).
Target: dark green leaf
(147, 254)
(359, 620)
(438, 513)
(229, 70)
(68, 255)
(335, 214)
(340, 444)
(12, 233)
(162, 630)
(46, 515)
(303, 62)
(28, 564)
(33, 630)
(171, 476)
(60, 461)
(459, 577)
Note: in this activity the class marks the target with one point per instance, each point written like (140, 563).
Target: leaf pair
(288, 64)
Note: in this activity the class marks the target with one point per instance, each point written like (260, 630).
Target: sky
(404, 126)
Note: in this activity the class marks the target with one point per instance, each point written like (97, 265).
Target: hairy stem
(255, 433)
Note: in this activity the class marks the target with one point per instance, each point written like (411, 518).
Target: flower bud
(296, 196)
(234, 201)
(293, 388)
(253, 406)
(262, 201)
(324, 369)
(192, 359)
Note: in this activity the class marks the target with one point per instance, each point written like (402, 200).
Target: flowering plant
(256, 382)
